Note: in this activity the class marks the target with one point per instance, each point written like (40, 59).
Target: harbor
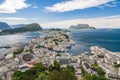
(55, 46)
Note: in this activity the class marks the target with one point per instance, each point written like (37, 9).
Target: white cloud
(113, 4)
(70, 5)
(12, 18)
(11, 6)
(101, 22)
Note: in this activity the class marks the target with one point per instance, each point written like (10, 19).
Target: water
(107, 38)
(15, 38)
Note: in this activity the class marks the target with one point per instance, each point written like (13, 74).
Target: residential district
(55, 46)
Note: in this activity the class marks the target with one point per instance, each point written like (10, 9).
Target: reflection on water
(16, 38)
(11, 39)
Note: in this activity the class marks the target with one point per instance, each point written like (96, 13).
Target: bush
(30, 74)
(39, 72)
(18, 51)
(117, 65)
(101, 72)
(31, 51)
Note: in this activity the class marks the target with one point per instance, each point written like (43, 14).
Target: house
(113, 76)
(27, 57)
(87, 68)
(64, 61)
(75, 65)
(25, 67)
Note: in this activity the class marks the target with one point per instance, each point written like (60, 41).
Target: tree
(0, 78)
(87, 77)
(18, 51)
(70, 68)
(101, 72)
(65, 74)
(54, 75)
(42, 76)
(96, 62)
(117, 66)
(57, 66)
(30, 74)
(31, 51)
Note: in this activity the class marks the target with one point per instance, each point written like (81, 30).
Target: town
(55, 46)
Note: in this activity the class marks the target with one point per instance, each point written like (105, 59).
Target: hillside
(4, 26)
(17, 26)
(27, 28)
(81, 26)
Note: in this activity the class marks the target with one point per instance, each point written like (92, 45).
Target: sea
(84, 39)
(106, 38)
(6, 40)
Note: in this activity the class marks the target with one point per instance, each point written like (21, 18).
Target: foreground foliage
(39, 72)
(100, 72)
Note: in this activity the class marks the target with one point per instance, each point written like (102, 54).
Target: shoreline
(58, 44)
(47, 48)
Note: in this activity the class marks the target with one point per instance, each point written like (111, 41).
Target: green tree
(70, 68)
(54, 75)
(18, 51)
(57, 66)
(30, 74)
(67, 75)
(42, 76)
(101, 72)
(87, 77)
(31, 51)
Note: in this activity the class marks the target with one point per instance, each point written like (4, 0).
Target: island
(81, 26)
(28, 28)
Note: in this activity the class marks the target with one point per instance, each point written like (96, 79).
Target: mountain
(28, 28)
(81, 26)
(17, 26)
(4, 26)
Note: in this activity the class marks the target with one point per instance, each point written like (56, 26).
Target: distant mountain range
(26, 28)
(4, 26)
(17, 26)
(81, 26)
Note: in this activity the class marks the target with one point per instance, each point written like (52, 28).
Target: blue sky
(61, 13)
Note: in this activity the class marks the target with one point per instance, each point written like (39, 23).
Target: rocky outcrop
(81, 26)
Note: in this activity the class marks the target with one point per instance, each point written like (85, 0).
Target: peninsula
(48, 56)
(27, 28)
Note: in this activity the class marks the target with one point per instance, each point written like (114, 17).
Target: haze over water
(16, 38)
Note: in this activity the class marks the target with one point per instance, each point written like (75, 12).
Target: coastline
(9, 60)
(55, 45)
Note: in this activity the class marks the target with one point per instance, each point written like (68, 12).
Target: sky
(61, 13)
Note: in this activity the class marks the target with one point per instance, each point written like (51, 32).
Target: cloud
(70, 5)
(11, 6)
(101, 22)
(113, 4)
(13, 18)
(35, 7)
